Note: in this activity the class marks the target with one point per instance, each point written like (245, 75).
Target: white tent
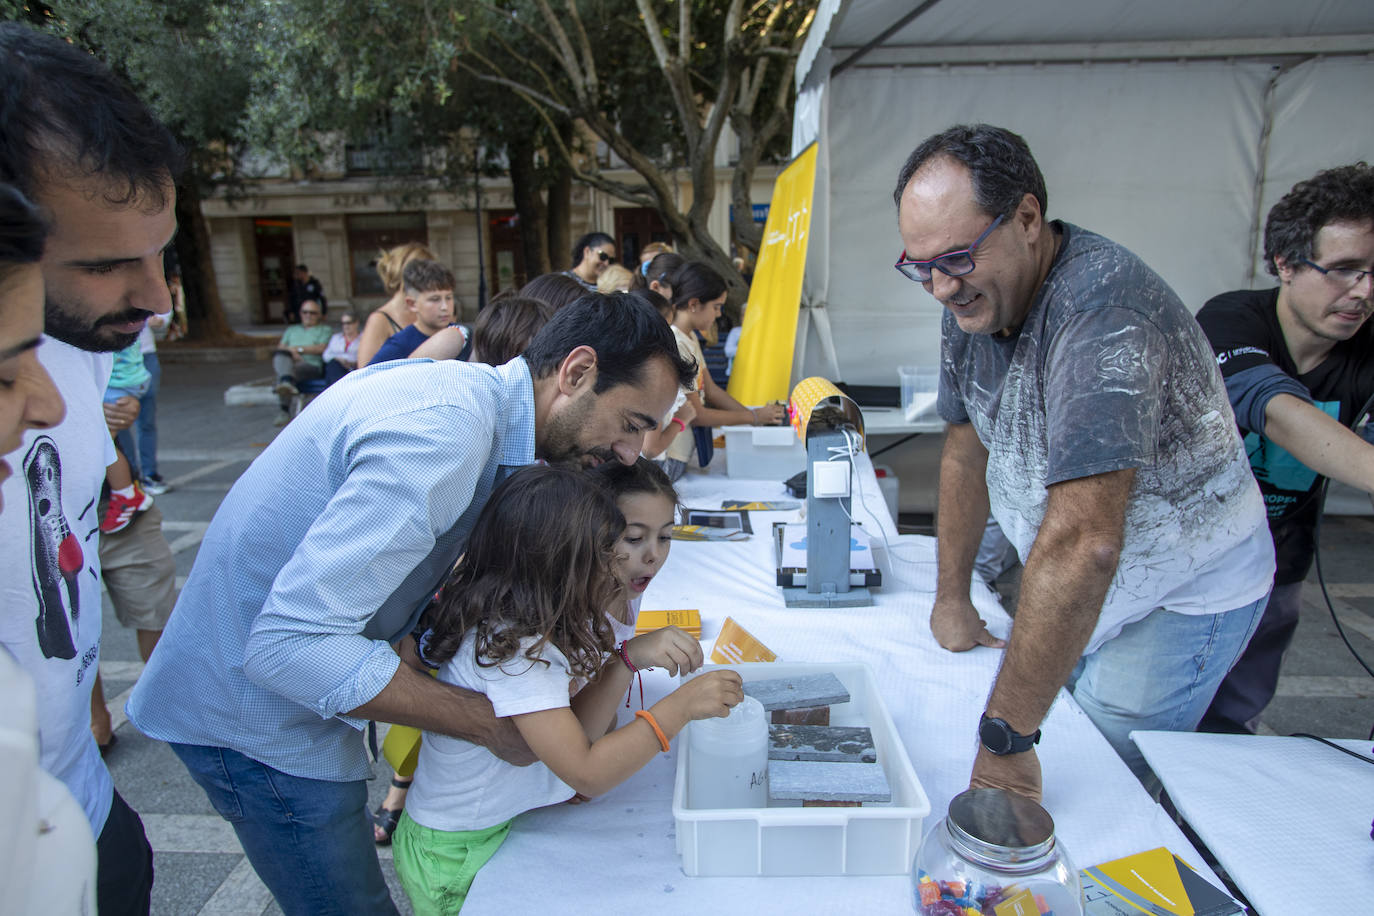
(1170, 126)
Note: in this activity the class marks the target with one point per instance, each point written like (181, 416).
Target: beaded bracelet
(653, 723)
(682, 427)
(625, 657)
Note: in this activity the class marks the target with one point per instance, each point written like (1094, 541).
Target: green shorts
(436, 867)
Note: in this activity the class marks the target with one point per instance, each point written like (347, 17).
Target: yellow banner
(763, 365)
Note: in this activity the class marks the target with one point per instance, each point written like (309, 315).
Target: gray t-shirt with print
(1110, 371)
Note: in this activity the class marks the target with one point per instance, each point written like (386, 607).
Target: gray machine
(833, 432)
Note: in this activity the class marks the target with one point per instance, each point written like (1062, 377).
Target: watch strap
(1013, 743)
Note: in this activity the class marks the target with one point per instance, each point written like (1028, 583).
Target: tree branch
(521, 88)
(675, 71)
(588, 60)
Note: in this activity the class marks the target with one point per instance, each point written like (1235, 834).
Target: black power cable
(1320, 496)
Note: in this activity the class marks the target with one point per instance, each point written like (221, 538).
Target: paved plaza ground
(206, 445)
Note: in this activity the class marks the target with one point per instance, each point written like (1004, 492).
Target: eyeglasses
(605, 258)
(1348, 277)
(308, 312)
(951, 264)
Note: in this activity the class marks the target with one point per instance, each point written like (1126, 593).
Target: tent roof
(960, 31)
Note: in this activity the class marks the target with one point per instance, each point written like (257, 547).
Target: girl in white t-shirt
(698, 294)
(521, 617)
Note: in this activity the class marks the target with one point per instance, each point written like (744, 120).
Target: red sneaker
(120, 510)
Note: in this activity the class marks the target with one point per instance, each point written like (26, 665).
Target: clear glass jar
(995, 854)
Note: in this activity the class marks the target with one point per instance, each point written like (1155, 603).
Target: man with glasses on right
(1085, 410)
(1298, 361)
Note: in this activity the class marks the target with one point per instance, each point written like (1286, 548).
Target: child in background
(509, 625)
(505, 328)
(429, 299)
(129, 377)
(656, 441)
(698, 293)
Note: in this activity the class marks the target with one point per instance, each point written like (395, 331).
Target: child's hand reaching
(670, 648)
(714, 693)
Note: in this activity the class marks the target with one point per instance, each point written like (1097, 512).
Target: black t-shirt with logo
(1243, 328)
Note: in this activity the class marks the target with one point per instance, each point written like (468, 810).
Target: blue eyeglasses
(951, 264)
(1346, 277)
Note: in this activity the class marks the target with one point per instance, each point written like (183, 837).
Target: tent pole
(884, 36)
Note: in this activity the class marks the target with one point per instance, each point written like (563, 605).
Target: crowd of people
(488, 505)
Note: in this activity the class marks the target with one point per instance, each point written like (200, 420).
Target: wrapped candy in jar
(994, 854)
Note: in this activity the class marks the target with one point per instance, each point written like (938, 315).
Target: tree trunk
(529, 206)
(204, 311)
(559, 214)
(748, 235)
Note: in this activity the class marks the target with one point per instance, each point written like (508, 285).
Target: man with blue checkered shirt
(280, 649)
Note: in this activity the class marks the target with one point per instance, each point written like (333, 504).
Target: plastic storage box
(919, 385)
(871, 840)
(763, 452)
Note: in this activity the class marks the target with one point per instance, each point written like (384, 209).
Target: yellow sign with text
(763, 364)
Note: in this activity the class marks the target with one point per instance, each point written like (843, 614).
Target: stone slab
(794, 692)
(839, 744)
(809, 780)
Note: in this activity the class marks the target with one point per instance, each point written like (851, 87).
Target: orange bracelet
(653, 723)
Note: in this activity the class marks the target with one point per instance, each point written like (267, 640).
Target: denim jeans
(310, 840)
(143, 459)
(1159, 674)
(995, 553)
(1254, 679)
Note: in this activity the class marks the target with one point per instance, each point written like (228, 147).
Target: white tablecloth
(617, 854)
(1280, 814)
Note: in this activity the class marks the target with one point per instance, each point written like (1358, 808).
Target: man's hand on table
(121, 414)
(956, 626)
(1019, 773)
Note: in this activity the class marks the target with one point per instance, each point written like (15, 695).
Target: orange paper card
(687, 620)
(735, 645)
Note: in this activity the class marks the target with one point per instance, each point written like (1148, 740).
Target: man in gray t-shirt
(1087, 413)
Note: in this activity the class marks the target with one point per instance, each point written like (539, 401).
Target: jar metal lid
(1001, 830)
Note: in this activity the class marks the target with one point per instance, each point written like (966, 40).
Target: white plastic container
(876, 839)
(763, 452)
(919, 387)
(730, 759)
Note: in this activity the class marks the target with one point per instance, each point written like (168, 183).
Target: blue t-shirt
(399, 345)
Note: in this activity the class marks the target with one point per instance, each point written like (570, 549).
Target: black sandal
(387, 818)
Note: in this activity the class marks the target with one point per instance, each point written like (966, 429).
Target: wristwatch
(300, 350)
(999, 738)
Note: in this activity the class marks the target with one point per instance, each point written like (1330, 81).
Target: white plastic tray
(871, 840)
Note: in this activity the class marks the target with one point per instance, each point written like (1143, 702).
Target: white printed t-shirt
(50, 571)
(463, 786)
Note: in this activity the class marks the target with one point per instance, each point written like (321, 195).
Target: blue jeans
(1254, 679)
(143, 459)
(995, 553)
(1159, 674)
(310, 840)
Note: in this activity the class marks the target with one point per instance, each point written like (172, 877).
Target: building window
(369, 235)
